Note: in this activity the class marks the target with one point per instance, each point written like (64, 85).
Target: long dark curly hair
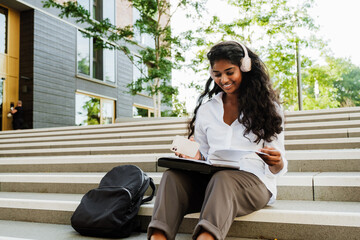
(256, 98)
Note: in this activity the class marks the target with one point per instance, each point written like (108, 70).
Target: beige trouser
(219, 198)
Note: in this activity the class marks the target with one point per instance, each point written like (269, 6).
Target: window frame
(102, 99)
(91, 62)
(151, 110)
(91, 6)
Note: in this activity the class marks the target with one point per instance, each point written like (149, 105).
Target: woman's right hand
(197, 156)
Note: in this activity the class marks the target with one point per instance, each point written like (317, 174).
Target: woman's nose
(224, 78)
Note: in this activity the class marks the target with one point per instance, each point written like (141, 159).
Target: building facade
(60, 77)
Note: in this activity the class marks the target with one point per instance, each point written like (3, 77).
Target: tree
(333, 84)
(92, 108)
(272, 27)
(155, 18)
(348, 84)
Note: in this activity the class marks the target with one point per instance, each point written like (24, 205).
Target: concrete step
(162, 133)
(283, 220)
(133, 123)
(290, 114)
(68, 132)
(325, 143)
(323, 133)
(55, 141)
(98, 130)
(17, 230)
(342, 160)
(290, 220)
(323, 118)
(293, 139)
(79, 163)
(87, 151)
(162, 146)
(322, 125)
(292, 186)
(90, 143)
(331, 160)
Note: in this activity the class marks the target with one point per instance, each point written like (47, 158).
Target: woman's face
(226, 75)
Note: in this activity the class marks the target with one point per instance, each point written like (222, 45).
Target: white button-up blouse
(212, 133)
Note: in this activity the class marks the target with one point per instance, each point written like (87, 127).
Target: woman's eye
(229, 73)
(217, 75)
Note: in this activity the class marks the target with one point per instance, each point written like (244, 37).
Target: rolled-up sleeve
(279, 144)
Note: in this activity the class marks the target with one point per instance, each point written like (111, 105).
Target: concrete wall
(54, 68)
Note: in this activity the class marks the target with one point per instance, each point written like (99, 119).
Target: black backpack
(111, 209)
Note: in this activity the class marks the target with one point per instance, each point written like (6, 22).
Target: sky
(338, 22)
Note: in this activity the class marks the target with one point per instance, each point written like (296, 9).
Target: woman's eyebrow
(230, 68)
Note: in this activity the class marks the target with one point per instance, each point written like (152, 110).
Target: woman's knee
(174, 181)
(221, 177)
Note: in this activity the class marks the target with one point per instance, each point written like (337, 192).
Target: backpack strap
(149, 198)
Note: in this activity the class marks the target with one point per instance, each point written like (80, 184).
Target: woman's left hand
(273, 159)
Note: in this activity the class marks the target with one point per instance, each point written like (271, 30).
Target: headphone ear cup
(246, 61)
(246, 64)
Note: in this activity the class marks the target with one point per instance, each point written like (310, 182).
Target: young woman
(242, 112)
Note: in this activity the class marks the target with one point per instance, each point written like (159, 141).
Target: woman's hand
(197, 156)
(274, 159)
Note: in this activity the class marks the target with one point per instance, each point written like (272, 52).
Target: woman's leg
(230, 194)
(179, 193)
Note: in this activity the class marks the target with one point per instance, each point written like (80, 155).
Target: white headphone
(245, 61)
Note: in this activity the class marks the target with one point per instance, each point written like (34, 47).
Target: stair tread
(285, 211)
(289, 179)
(344, 116)
(323, 125)
(120, 158)
(147, 122)
(146, 127)
(145, 136)
(321, 111)
(99, 130)
(95, 136)
(329, 154)
(94, 149)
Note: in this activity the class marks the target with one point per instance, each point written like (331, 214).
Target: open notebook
(219, 160)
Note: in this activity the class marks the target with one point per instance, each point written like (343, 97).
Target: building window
(142, 38)
(3, 29)
(142, 111)
(109, 65)
(93, 110)
(103, 60)
(101, 9)
(83, 54)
